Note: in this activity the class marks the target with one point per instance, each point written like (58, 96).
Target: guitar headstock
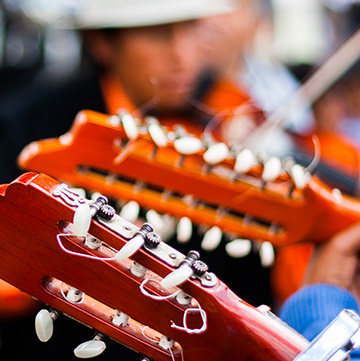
(52, 250)
(198, 177)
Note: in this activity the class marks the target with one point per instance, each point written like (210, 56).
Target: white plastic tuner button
(157, 134)
(238, 248)
(298, 176)
(272, 169)
(82, 220)
(184, 230)
(129, 248)
(177, 277)
(130, 211)
(90, 349)
(212, 239)
(130, 128)
(216, 153)
(187, 145)
(244, 161)
(44, 326)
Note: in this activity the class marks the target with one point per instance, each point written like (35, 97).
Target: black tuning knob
(106, 211)
(152, 239)
(199, 267)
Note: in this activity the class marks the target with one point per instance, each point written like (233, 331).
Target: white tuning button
(181, 274)
(82, 220)
(129, 248)
(238, 248)
(272, 169)
(187, 145)
(212, 239)
(130, 211)
(44, 324)
(177, 277)
(244, 161)
(157, 134)
(155, 219)
(216, 153)
(297, 174)
(130, 128)
(184, 230)
(135, 243)
(95, 196)
(267, 254)
(90, 349)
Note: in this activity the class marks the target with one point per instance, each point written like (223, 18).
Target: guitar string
(77, 254)
(194, 330)
(141, 287)
(143, 291)
(68, 299)
(154, 297)
(317, 154)
(158, 342)
(191, 309)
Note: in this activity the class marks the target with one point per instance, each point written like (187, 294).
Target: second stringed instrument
(173, 172)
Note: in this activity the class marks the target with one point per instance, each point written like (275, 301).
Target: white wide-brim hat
(95, 14)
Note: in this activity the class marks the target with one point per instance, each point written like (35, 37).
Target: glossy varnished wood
(30, 217)
(93, 156)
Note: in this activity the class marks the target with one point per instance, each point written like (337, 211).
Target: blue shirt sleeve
(312, 308)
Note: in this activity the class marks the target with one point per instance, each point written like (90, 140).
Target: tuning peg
(120, 319)
(216, 153)
(184, 230)
(130, 128)
(138, 270)
(82, 220)
(132, 246)
(272, 169)
(298, 176)
(155, 219)
(187, 145)
(183, 298)
(130, 211)
(212, 239)
(74, 295)
(267, 254)
(177, 277)
(166, 343)
(182, 273)
(156, 132)
(95, 196)
(91, 348)
(238, 248)
(44, 324)
(244, 161)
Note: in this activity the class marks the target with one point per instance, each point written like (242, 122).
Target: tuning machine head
(44, 324)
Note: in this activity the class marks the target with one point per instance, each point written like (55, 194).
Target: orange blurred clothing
(225, 104)
(291, 262)
(335, 150)
(15, 304)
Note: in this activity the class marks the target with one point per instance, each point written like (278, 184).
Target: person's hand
(336, 261)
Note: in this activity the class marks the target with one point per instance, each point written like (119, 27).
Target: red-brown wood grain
(31, 259)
